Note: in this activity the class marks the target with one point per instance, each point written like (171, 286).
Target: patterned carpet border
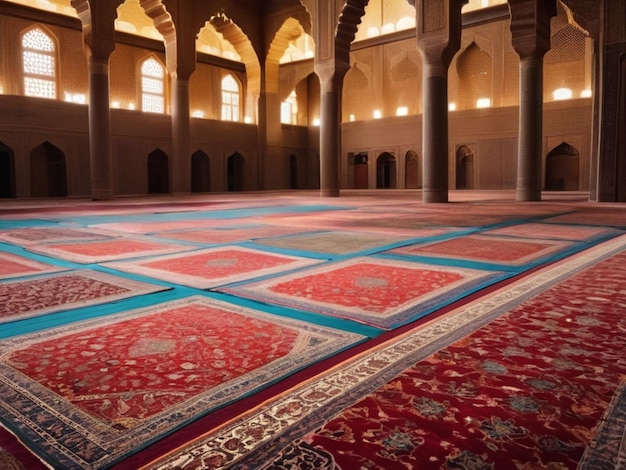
(29, 293)
(378, 297)
(65, 436)
(602, 452)
(306, 407)
(212, 267)
(490, 250)
(98, 251)
(33, 236)
(12, 265)
(555, 231)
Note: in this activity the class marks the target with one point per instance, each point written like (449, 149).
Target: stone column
(181, 132)
(330, 130)
(438, 39)
(100, 141)
(530, 29)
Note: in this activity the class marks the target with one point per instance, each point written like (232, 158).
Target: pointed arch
(474, 67)
(48, 175)
(158, 172)
(235, 166)
(386, 171)
(231, 98)
(7, 172)
(563, 168)
(200, 172)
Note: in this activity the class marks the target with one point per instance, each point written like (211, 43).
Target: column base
(101, 195)
(528, 195)
(329, 193)
(429, 196)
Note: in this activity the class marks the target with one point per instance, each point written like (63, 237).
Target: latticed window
(289, 109)
(152, 86)
(230, 99)
(39, 64)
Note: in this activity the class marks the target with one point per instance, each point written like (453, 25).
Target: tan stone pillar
(438, 39)
(181, 132)
(331, 81)
(530, 29)
(100, 141)
(97, 18)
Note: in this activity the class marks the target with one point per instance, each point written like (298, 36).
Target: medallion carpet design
(107, 250)
(519, 379)
(31, 236)
(15, 265)
(332, 242)
(213, 267)
(64, 291)
(554, 231)
(492, 249)
(104, 387)
(228, 235)
(380, 292)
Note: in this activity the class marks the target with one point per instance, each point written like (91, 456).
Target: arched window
(152, 86)
(230, 99)
(289, 109)
(39, 64)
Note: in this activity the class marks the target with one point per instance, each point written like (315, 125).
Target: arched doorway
(411, 170)
(386, 171)
(158, 172)
(464, 168)
(48, 176)
(563, 169)
(361, 180)
(235, 172)
(7, 172)
(200, 172)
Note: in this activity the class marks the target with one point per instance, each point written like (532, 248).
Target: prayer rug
(21, 299)
(87, 394)
(213, 267)
(554, 231)
(160, 226)
(229, 234)
(16, 266)
(519, 379)
(338, 243)
(489, 249)
(107, 250)
(384, 293)
(610, 217)
(31, 236)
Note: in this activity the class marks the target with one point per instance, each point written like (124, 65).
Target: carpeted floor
(284, 330)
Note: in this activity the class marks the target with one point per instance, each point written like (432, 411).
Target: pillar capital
(438, 31)
(530, 26)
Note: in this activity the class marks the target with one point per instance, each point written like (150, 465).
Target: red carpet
(381, 292)
(104, 387)
(15, 266)
(526, 389)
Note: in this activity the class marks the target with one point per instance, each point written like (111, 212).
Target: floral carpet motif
(228, 235)
(380, 292)
(15, 265)
(107, 250)
(31, 236)
(64, 291)
(213, 267)
(522, 378)
(554, 231)
(332, 242)
(499, 250)
(105, 387)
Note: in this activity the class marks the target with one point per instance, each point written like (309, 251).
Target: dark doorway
(386, 171)
(158, 173)
(200, 173)
(464, 168)
(48, 176)
(7, 172)
(235, 171)
(562, 169)
(411, 170)
(361, 179)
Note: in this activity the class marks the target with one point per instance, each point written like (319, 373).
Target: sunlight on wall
(299, 49)
(562, 94)
(62, 7)
(478, 4)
